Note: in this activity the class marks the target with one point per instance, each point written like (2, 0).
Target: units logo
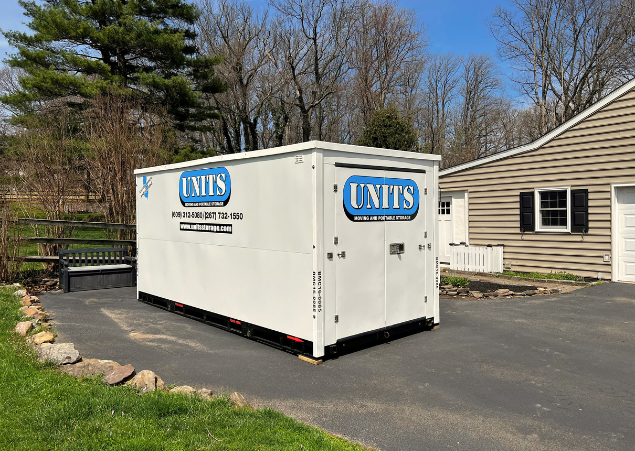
(205, 188)
(380, 199)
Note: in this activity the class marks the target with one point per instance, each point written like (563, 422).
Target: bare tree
(235, 30)
(474, 124)
(387, 53)
(46, 155)
(309, 53)
(567, 54)
(441, 82)
(123, 135)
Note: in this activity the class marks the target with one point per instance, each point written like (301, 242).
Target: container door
(359, 253)
(406, 250)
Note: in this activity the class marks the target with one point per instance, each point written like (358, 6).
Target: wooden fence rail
(70, 241)
(98, 225)
(100, 241)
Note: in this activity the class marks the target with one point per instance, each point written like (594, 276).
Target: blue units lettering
(380, 199)
(205, 188)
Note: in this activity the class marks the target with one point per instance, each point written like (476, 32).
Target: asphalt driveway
(540, 373)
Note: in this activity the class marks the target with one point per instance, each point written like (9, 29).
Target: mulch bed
(485, 287)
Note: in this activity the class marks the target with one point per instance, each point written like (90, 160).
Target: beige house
(564, 203)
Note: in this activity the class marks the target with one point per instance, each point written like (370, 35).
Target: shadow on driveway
(539, 373)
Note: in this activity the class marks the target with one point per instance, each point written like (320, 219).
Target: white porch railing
(476, 258)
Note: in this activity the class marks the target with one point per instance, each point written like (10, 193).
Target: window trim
(538, 220)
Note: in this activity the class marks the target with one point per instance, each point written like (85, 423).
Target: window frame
(448, 207)
(538, 221)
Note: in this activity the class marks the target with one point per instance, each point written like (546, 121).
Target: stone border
(451, 290)
(69, 361)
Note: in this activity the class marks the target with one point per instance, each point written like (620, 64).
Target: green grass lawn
(42, 409)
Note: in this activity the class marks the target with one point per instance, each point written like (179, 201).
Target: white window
(552, 208)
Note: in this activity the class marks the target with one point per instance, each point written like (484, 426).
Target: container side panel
(269, 205)
(268, 288)
(234, 238)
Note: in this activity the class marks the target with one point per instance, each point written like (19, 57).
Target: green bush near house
(42, 409)
(455, 281)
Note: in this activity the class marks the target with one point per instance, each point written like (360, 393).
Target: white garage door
(626, 234)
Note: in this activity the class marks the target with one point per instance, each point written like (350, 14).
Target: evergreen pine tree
(83, 48)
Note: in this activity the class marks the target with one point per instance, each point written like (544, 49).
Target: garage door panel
(628, 270)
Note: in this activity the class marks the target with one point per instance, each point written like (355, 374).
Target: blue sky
(457, 26)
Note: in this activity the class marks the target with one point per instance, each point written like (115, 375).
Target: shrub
(455, 281)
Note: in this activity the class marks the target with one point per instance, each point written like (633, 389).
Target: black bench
(96, 268)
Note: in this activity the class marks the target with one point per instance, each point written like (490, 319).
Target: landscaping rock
(238, 401)
(184, 390)
(43, 337)
(23, 327)
(206, 393)
(490, 294)
(25, 302)
(146, 381)
(119, 375)
(463, 290)
(504, 292)
(17, 285)
(452, 293)
(29, 311)
(20, 293)
(476, 294)
(61, 354)
(447, 287)
(41, 315)
(90, 367)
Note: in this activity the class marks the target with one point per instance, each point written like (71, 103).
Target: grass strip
(539, 275)
(42, 409)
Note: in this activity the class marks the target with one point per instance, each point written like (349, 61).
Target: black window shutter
(527, 222)
(580, 211)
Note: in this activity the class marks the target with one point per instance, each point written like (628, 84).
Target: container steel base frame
(287, 342)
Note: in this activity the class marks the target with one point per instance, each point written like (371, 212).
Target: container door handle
(342, 254)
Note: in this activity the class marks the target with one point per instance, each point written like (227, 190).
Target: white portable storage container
(311, 247)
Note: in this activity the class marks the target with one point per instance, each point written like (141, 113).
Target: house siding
(594, 154)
